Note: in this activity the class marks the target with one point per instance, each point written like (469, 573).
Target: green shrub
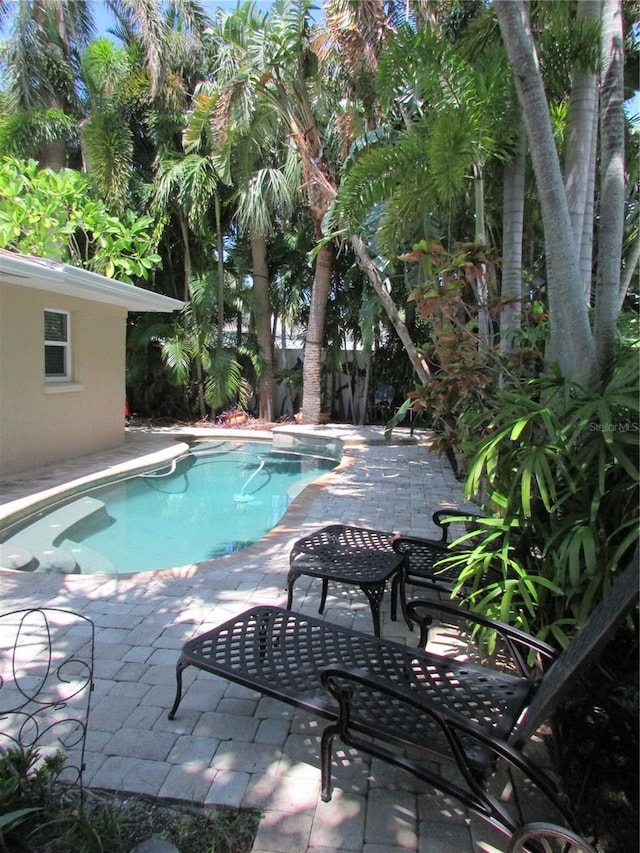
(37, 812)
(556, 474)
(26, 779)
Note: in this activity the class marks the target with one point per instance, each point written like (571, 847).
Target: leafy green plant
(214, 373)
(26, 778)
(38, 812)
(557, 477)
(60, 215)
(466, 367)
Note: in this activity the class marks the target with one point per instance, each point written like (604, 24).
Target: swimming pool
(218, 498)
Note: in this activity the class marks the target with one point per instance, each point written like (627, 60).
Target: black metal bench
(405, 705)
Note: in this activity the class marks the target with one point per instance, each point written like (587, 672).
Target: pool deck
(228, 745)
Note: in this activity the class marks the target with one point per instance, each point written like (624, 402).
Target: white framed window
(57, 346)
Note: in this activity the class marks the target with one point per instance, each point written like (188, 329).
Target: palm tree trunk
(586, 244)
(266, 386)
(283, 343)
(571, 339)
(365, 394)
(200, 381)
(53, 155)
(513, 228)
(612, 183)
(187, 255)
(481, 285)
(364, 259)
(312, 368)
(580, 135)
(220, 252)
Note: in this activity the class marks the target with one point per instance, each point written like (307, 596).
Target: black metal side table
(349, 555)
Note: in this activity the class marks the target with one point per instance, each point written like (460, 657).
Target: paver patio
(229, 745)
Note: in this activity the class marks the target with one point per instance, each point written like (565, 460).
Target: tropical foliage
(554, 471)
(61, 215)
(39, 811)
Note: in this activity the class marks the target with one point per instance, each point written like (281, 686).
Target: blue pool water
(217, 499)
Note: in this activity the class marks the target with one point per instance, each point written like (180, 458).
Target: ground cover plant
(38, 814)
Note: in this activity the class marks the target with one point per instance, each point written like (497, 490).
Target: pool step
(34, 548)
(14, 557)
(90, 562)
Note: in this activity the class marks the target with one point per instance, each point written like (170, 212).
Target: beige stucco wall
(43, 422)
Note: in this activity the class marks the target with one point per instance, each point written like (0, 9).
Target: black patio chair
(422, 555)
(452, 724)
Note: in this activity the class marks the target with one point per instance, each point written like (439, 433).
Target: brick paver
(228, 745)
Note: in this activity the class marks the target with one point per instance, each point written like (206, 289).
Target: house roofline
(56, 277)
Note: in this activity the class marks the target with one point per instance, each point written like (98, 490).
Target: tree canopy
(468, 165)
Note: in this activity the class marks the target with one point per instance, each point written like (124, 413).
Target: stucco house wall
(44, 421)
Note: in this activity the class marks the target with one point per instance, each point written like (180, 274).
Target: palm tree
(132, 112)
(263, 167)
(106, 134)
(612, 171)
(41, 60)
(281, 72)
(277, 72)
(460, 121)
(291, 277)
(262, 198)
(583, 355)
(189, 186)
(149, 23)
(194, 355)
(355, 37)
(512, 292)
(580, 165)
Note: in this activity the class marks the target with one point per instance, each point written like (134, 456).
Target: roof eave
(56, 277)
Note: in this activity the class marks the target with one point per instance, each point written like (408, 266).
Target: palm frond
(108, 144)
(105, 67)
(224, 381)
(177, 357)
(192, 16)
(267, 191)
(24, 131)
(377, 173)
(145, 17)
(198, 121)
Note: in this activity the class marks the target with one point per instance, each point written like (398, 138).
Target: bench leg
(326, 751)
(323, 599)
(375, 593)
(398, 589)
(179, 667)
(292, 577)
